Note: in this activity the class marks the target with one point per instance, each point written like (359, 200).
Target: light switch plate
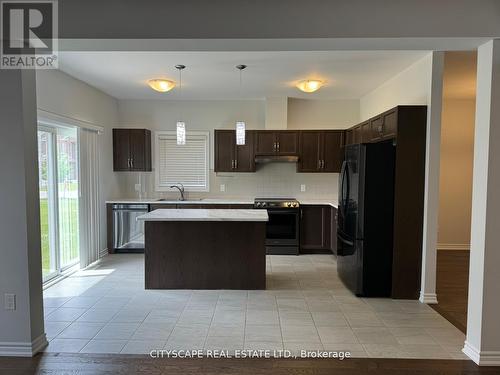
(222, 187)
(138, 187)
(302, 188)
(9, 301)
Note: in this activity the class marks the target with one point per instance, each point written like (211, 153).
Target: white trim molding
(481, 358)
(23, 349)
(453, 246)
(429, 298)
(50, 118)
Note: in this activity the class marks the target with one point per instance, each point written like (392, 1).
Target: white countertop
(205, 215)
(318, 202)
(215, 201)
(188, 201)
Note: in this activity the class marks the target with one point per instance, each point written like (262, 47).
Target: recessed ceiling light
(309, 85)
(161, 85)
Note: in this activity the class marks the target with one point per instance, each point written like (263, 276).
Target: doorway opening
(455, 191)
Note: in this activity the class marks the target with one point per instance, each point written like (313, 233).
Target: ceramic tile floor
(306, 306)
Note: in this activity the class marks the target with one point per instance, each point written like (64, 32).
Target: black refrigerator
(365, 218)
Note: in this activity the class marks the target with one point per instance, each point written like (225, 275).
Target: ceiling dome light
(161, 85)
(309, 85)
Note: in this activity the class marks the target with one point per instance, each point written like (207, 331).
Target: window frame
(172, 133)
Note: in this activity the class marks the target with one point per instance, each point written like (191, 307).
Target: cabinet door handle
(275, 146)
(319, 164)
(232, 164)
(132, 162)
(236, 164)
(278, 147)
(128, 163)
(322, 164)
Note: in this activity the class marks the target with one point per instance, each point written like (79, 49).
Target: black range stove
(282, 230)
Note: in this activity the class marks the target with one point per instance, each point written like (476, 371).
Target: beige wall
(322, 114)
(457, 148)
(411, 87)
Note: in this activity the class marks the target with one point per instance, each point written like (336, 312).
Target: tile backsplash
(270, 180)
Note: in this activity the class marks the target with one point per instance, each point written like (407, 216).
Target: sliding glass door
(59, 195)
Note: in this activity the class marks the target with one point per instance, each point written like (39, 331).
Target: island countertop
(205, 215)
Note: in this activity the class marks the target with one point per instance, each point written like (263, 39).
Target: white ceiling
(212, 75)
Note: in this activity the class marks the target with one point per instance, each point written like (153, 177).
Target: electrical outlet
(138, 187)
(222, 187)
(10, 301)
(302, 188)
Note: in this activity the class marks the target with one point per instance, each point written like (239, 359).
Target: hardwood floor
(452, 286)
(100, 364)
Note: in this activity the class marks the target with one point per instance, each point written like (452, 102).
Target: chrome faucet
(181, 190)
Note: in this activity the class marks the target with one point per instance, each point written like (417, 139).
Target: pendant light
(240, 125)
(181, 126)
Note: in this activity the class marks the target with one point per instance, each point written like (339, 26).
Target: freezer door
(349, 263)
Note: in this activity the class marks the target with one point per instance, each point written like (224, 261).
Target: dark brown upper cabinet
(230, 157)
(384, 126)
(131, 150)
(357, 135)
(284, 143)
(319, 151)
(366, 132)
(349, 137)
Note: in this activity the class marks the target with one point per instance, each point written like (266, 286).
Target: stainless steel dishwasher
(128, 233)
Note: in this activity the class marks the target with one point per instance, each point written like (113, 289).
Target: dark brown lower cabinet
(318, 229)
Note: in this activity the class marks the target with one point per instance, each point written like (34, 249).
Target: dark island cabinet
(318, 228)
(320, 151)
(131, 150)
(230, 157)
(283, 143)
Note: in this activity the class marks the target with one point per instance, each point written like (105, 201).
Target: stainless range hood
(276, 159)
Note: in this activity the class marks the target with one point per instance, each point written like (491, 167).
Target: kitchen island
(205, 249)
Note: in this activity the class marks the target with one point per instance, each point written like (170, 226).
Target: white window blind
(187, 164)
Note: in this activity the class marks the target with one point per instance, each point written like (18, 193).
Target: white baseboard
(481, 358)
(453, 246)
(23, 349)
(429, 298)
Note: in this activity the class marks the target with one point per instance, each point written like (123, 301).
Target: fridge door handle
(343, 198)
(344, 240)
